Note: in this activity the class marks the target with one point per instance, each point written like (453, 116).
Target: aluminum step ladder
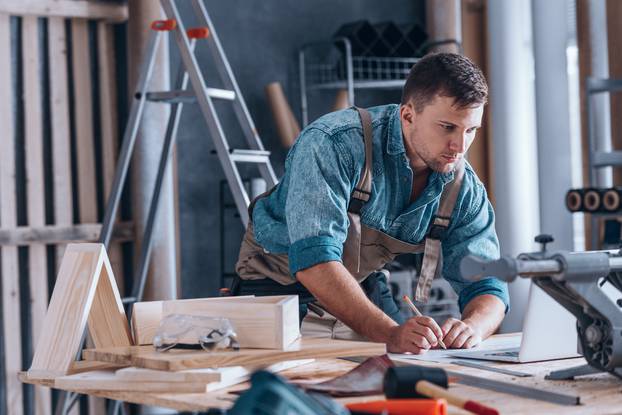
(195, 92)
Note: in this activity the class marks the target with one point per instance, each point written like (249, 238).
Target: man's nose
(458, 144)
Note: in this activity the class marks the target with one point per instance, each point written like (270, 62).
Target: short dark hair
(445, 74)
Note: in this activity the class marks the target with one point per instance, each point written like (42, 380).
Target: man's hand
(416, 335)
(458, 334)
(480, 318)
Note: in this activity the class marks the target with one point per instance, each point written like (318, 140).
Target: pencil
(418, 313)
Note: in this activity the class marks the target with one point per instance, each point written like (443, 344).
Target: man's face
(439, 135)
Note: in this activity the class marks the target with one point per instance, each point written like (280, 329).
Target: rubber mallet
(427, 382)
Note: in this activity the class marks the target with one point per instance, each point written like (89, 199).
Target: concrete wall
(261, 40)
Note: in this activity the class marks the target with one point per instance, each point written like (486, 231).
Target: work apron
(365, 252)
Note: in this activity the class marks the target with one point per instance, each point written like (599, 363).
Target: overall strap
(433, 253)
(360, 195)
(362, 190)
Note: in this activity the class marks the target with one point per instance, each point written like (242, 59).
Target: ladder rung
(187, 96)
(250, 156)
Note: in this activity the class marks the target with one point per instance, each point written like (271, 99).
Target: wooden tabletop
(600, 394)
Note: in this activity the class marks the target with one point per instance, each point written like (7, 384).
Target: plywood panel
(305, 348)
(8, 219)
(108, 324)
(33, 128)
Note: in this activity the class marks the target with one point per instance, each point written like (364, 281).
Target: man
(362, 186)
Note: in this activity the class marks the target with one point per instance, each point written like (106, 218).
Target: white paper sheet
(445, 356)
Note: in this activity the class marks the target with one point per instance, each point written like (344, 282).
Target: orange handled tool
(427, 382)
(431, 390)
(402, 406)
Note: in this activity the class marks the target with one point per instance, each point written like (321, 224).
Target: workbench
(600, 394)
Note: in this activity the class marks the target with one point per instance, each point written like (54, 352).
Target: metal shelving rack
(599, 159)
(330, 65)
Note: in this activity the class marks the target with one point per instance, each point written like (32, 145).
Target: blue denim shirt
(306, 216)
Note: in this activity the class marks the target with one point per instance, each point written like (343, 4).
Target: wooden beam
(35, 192)
(108, 11)
(585, 70)
(83, 121)
(52, 234)
(8, 218)
(109, 134)
(60, 127)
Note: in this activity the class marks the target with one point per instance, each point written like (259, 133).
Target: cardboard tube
(341, 100)
(286, 125)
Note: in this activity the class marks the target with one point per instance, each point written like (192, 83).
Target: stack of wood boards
(85, 290)
(133, 379)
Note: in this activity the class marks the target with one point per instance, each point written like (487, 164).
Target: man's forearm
(342, 296)
(484, 314)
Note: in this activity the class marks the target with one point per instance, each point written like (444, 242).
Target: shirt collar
(395, 140)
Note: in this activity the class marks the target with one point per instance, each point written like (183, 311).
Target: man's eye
(471, 130)
(447, 127)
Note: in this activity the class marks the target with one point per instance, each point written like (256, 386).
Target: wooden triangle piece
(85, 290)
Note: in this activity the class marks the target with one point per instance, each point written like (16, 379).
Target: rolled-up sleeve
(316, 207)
(473, 234)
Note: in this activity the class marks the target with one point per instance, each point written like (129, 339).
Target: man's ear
(407, 113)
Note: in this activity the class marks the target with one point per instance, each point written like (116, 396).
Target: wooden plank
(209, 375)
(106, 380)
(83, 121)
(60, 127)
(35, 194)
(109, 134)
(81, 366)
(108, 11)
(139, 374)
(8, 218)
(107, 322)
(261, 322)
(69, 308)
(51, 234)
(176, 359)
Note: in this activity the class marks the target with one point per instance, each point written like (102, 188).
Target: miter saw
(574, 280)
